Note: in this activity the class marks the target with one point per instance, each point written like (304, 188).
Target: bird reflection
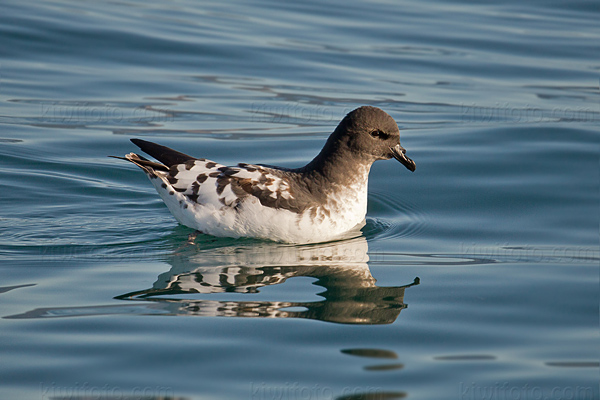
(201, 274)
(350, 296)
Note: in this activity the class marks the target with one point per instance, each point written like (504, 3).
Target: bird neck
(337, 163)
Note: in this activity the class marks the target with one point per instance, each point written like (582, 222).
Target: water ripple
(398, 218)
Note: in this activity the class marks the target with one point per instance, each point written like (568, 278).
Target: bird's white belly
(344, 210)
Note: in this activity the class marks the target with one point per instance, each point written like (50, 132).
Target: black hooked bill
(399, 153)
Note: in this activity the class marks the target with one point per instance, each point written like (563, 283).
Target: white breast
(225, 215)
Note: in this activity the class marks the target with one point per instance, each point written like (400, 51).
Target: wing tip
(165, 155)
(138, 142)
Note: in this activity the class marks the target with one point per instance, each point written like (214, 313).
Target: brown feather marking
(246, 185)
(231, 171)
(201, 178)
(222, 182)
(189, 164)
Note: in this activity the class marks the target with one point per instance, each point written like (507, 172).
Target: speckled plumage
(318, 202)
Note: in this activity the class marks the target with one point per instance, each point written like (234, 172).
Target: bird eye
(379, 134)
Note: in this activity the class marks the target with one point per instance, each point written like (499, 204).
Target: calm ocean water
(476, 277)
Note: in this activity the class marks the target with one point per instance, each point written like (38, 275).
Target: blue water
(476, 277)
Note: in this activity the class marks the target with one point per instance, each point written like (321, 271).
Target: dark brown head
(370, 133)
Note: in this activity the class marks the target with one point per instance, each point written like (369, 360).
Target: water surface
(476, 277)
